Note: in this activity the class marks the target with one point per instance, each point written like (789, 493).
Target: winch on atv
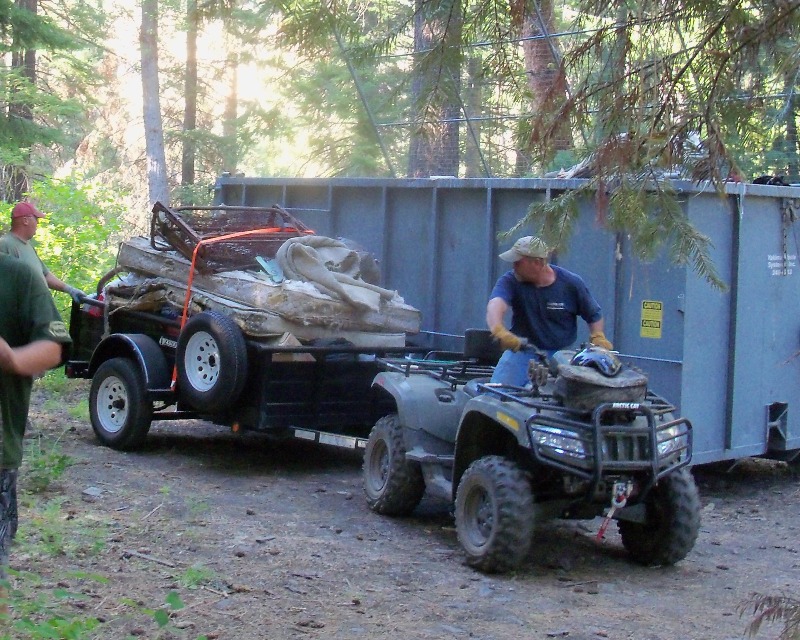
(584, 438)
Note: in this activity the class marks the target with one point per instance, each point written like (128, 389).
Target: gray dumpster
(729, 360)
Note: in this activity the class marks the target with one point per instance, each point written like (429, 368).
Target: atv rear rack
(454, 372)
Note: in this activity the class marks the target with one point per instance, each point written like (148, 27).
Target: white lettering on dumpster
(780, 265)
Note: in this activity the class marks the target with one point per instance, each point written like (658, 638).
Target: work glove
(507, 339)
(76, 294)
(599, 339)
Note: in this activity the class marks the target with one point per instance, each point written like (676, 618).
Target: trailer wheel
(212, 361)
(393, 485)
(118, 408)
(672, 522)
(494, 514)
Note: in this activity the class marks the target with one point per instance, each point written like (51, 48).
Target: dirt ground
(263, 540)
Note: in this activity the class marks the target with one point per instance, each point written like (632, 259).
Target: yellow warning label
(508, 420)
(652, 318)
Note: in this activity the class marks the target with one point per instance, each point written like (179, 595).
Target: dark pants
(8, 515)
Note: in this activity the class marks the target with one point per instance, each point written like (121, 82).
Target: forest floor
(215, 535)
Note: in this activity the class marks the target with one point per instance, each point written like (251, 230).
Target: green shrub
(42, 465)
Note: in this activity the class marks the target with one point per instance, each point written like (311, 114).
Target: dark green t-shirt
(29, 314)
(14, 246)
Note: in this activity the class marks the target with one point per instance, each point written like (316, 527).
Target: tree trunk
(473, 166)
(546, 79)
(230, 127)
(153, 128)
(434, 147)
(190, 97)
(23, 61)
(792, 148)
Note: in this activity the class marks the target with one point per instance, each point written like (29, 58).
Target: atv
(584, 438)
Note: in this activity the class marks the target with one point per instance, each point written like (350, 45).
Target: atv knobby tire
(393, 485)
(212, 361)
(119, 410)
(494, 514)
(672, 522)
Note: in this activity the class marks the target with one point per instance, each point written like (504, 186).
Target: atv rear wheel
(494, 514)
(672, 522)
(393, 485)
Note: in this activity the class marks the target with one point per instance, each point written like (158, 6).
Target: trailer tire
(672, 522)
(494, 514)
(393, 485)
(212, 361)
(119, 409)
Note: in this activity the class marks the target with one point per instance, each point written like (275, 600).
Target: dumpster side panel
(767, 371)
(707, 371)
(728, 359)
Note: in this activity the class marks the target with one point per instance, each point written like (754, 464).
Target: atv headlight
(560, 441)
(673, 439)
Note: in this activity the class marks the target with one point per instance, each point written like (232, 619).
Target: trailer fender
(141, 349)
(423, 403)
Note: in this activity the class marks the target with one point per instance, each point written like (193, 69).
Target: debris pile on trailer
(266, 270)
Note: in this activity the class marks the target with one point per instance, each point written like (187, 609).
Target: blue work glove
(76, 294)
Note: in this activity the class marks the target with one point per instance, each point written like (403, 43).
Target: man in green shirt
(32, 340)
(24, 222)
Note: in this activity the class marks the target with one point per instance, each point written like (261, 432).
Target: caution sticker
(652, 319)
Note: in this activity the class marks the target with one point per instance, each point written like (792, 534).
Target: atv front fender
(487, 427)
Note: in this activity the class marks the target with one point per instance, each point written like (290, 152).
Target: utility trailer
(200, 322)
(144, 368)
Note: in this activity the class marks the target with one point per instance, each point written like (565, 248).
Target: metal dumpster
(729, 359)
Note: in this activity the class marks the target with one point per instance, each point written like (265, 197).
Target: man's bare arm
(30, 359)
(495, 311)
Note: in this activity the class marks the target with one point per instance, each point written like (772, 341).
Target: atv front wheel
(672, 522)
(494, 514)
(393, 485)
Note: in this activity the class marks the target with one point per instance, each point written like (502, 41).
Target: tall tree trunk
(473, 167)
(792, 146)
(190, 97)
(19, 110)
(546, 79)
(229, 120)
(434, 147)
(153, 128)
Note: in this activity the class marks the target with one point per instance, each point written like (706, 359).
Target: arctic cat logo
(168, 342)
(625, 405)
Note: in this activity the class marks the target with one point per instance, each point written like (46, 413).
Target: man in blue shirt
(545, 302)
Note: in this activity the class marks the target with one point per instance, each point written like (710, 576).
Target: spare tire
(212, 362)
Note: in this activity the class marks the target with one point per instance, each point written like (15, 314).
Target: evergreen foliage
(78, 239)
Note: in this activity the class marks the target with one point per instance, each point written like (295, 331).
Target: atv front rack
(607, 440)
